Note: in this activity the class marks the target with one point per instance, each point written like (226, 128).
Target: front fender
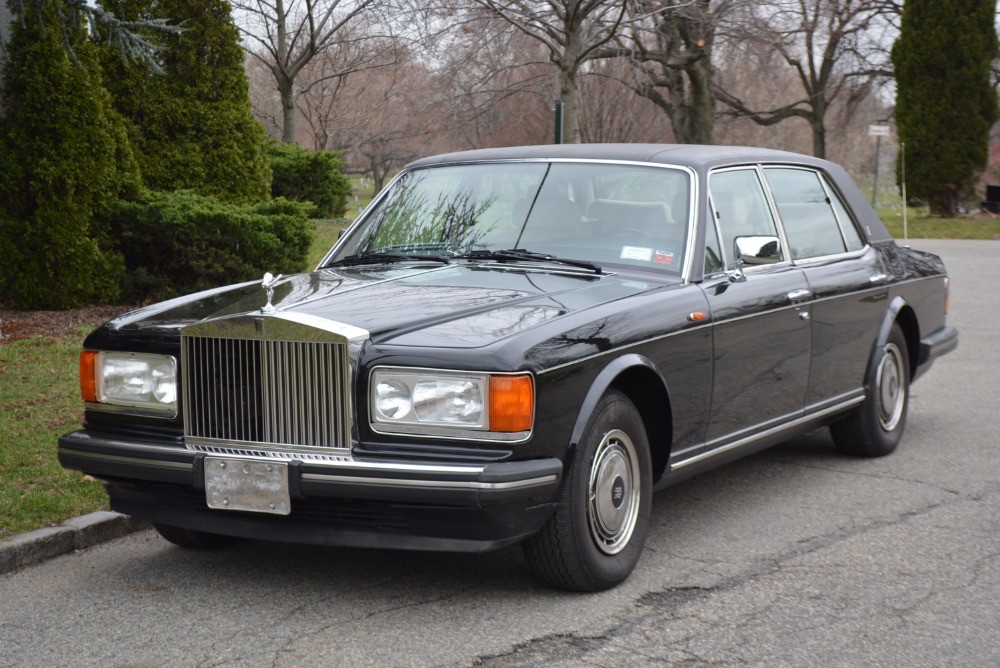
(601, 384)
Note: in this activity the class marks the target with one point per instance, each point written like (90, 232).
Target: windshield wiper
(385, 258)
(522, 255)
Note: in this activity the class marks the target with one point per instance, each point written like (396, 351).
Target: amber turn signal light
(88, 378)
(512, 403)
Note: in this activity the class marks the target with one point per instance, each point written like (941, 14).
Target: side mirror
(753, 251)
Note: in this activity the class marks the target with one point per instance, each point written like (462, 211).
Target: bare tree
(613, 113)
(828, 44)
(490, 97)
(670, 45)
(286, 35)
(324, 100)
(572, 31)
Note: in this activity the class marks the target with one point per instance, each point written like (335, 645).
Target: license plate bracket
(247, 485)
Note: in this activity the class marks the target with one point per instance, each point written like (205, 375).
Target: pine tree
(192, 126)
(945, 103)
(64, 159)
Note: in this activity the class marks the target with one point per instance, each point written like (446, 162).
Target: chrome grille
(284, 393)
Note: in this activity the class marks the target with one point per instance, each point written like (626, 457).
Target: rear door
(845, 279)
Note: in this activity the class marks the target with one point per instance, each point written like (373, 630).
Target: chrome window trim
(830, 195)
(772, 209)
(444, 432)
(826, 182)
(821, 259)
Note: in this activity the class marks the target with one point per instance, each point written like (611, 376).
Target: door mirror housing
(754, 251)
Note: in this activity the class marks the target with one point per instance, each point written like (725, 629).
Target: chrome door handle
(878, 278)
(799, 295)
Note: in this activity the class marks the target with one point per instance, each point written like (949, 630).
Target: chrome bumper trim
(144, 461)
(455, 484)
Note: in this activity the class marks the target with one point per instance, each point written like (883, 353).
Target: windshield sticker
(636, 253)
(663, 257)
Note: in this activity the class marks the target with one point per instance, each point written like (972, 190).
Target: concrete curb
(78, 533)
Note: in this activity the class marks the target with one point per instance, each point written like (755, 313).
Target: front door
(761, 323)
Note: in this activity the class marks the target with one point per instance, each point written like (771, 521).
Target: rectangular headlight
(432, 402)
(139, 381)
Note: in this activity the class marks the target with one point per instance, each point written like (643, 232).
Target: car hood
(465, 305)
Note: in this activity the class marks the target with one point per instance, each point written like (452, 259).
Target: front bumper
(365, 503)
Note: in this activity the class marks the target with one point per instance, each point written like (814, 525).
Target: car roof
(699, 157)
(689, 155)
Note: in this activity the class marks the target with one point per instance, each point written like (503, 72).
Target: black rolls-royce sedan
(518, 344)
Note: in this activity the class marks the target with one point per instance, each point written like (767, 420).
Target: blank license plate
(241, 484)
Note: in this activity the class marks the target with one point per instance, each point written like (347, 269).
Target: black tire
(875, 428)
(593, 541)
(192, 539)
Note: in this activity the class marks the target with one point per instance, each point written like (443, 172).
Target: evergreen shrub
(64, 158)
(191, 126)
(304, 175)
(179, 242)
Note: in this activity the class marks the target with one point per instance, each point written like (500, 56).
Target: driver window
(740, 209)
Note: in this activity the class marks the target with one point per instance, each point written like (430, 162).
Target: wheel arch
(637, 378)
(901, 312)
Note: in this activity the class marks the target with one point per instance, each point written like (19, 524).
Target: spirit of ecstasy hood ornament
(268, 284)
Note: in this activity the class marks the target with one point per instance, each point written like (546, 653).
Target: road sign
(878, 130)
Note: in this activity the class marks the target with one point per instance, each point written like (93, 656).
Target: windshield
(602, 213)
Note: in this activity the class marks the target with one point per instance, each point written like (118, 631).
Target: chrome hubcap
(890, 387)
(613, 506)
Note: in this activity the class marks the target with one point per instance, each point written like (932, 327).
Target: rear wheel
(594, 539)
(192, 539)
(875, 428)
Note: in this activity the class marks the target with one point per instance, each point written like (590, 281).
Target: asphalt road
(797, 556)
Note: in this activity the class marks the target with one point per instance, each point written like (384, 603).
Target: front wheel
(875, 428)
(594, 539)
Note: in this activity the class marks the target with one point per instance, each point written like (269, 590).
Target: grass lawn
(920, 225)
(40, 395)
(327, 231)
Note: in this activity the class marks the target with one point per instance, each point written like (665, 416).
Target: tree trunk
(289, 114)
(816, 121)
(944, 203)
(701, 110)
(569, 67)
(569, 94)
